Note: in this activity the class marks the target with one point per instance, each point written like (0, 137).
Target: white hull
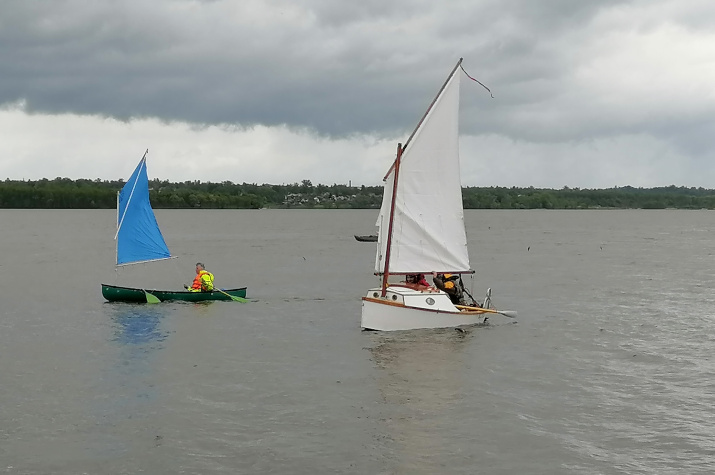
(406, 309)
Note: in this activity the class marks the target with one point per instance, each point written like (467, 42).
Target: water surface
(608, 369)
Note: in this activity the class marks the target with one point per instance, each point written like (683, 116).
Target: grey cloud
(333, 68)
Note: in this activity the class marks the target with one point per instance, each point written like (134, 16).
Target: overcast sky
(587, 93)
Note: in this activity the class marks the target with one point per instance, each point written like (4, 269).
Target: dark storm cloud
(130, 61)
(335, 68)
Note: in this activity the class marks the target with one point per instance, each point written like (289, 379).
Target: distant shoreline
(64, 193)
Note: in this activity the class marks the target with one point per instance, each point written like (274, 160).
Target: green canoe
(114, 293)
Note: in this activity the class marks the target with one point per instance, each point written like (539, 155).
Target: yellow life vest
(203, 282)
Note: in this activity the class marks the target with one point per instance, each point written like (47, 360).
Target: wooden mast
(388, 251)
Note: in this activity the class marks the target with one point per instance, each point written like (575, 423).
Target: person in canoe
(450, 284)
(204, 280)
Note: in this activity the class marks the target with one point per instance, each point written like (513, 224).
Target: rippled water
(608, 369)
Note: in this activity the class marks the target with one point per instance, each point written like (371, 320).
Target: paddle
(235, 299)
(151, 298)
(506, 313)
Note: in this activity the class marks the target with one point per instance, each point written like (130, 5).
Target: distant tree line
(62, 193)
(626, 197)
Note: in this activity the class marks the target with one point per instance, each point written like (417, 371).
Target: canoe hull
(115, 293)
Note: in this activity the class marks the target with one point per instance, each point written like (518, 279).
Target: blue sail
(138, 236)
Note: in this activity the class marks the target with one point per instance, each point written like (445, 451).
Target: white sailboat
(421, 226)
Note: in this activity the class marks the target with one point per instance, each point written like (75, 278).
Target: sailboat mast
(388, 251)
(419, 124)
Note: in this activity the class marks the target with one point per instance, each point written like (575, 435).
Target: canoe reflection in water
(137, 324)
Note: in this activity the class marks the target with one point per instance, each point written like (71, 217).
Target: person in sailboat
(418, 282)
(204, 280)
(450, 284)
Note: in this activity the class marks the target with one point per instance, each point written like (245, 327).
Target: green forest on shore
(65, 193)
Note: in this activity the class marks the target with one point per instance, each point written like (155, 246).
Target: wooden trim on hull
(466, 311)
(384, 315)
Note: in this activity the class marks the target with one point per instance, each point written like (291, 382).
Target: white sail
(428, 229)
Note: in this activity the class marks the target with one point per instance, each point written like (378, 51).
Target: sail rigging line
(179, 273)
(477, 81)
(419, 124)
(129, 200)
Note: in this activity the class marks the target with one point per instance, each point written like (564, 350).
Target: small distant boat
(139, 240)
(421, 226)
(366, 238)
